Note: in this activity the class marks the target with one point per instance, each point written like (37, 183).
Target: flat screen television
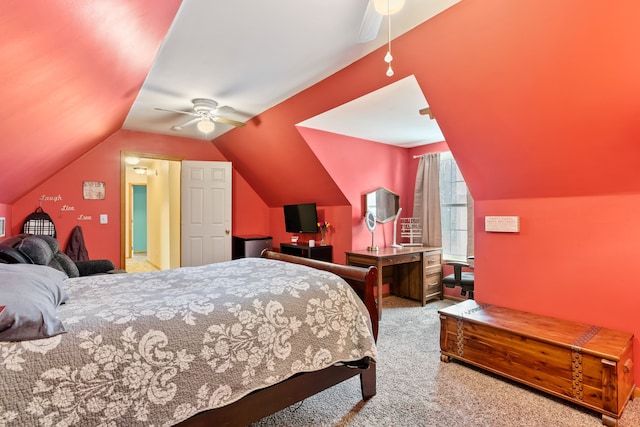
(301, 218)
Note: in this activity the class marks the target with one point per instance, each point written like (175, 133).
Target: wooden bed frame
(267, 401)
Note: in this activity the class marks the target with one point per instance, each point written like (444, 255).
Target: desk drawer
(432, 282)
(432, 286)
(400, 259)
(360, 261)
(431, 259)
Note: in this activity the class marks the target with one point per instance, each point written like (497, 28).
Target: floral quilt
(153, 349)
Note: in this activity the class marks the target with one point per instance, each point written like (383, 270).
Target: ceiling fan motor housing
(204, 105)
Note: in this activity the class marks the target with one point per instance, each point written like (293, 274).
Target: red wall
(70, 71)
(251, 215)
(5, 211)
(538, 102)
(102, 163)
(358, 167)
(569, 259)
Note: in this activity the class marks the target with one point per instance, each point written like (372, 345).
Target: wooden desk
(413, 271)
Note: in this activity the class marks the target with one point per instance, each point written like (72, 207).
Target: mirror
(384, 204)
(370, 220)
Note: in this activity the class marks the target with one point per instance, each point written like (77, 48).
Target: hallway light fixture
(132, 160)
(140, 170)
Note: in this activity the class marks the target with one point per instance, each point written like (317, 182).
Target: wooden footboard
(362, 280)
(262, 403)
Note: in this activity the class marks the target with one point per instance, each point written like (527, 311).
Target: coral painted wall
(358, 167)
(77, 67)
(62, 194)
(538, 102)
(5, 211)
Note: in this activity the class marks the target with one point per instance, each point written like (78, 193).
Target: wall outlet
(104, 219)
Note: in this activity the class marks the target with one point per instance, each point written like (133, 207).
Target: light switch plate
(104, 219)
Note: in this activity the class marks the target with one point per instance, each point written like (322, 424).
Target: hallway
(138, 263)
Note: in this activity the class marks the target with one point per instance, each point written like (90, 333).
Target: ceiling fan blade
(185, 124)
(224, 109)
(370, 25)
(228, 121)
(190, 113)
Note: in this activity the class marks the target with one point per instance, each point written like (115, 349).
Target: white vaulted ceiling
(253, 55)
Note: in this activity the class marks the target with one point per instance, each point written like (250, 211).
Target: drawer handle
(431, 261)
(628, 365)
(430, 285)
(414, 257)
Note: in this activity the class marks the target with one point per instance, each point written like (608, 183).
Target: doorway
(150, 214)
(139, 220)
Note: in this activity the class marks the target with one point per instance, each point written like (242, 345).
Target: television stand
(322, 253)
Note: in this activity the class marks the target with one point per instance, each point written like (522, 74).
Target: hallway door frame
(125, 250)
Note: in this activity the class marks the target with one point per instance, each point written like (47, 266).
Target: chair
(463, 279)
(45, 250)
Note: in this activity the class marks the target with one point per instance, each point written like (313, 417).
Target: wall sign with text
(93, 190)
(503, 224)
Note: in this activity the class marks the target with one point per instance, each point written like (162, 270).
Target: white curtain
(469, 224)
(426, 201)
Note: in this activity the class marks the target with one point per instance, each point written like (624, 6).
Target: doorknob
(227, 231)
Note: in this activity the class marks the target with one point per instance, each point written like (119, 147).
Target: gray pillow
(61, 261)
(30, 293)
(37, 249)
(45, 250)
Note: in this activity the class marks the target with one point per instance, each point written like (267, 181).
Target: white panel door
(206, 212)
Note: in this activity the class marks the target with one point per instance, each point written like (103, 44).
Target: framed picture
(93, 190)
(2, 223)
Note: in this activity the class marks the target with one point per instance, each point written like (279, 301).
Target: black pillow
(30, 293)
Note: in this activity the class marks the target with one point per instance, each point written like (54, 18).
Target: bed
(221, 344)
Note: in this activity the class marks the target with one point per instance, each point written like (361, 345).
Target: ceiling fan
(376, 9)
(205, 113)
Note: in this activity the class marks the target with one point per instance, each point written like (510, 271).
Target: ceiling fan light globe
(206, 125)
(388, 7)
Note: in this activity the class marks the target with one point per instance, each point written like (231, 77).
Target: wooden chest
(585, 364)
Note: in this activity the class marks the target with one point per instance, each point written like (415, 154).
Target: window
(453, 207)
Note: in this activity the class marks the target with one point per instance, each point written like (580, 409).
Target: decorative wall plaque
(93, 190)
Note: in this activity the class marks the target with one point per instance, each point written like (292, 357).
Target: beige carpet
(416, 389)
